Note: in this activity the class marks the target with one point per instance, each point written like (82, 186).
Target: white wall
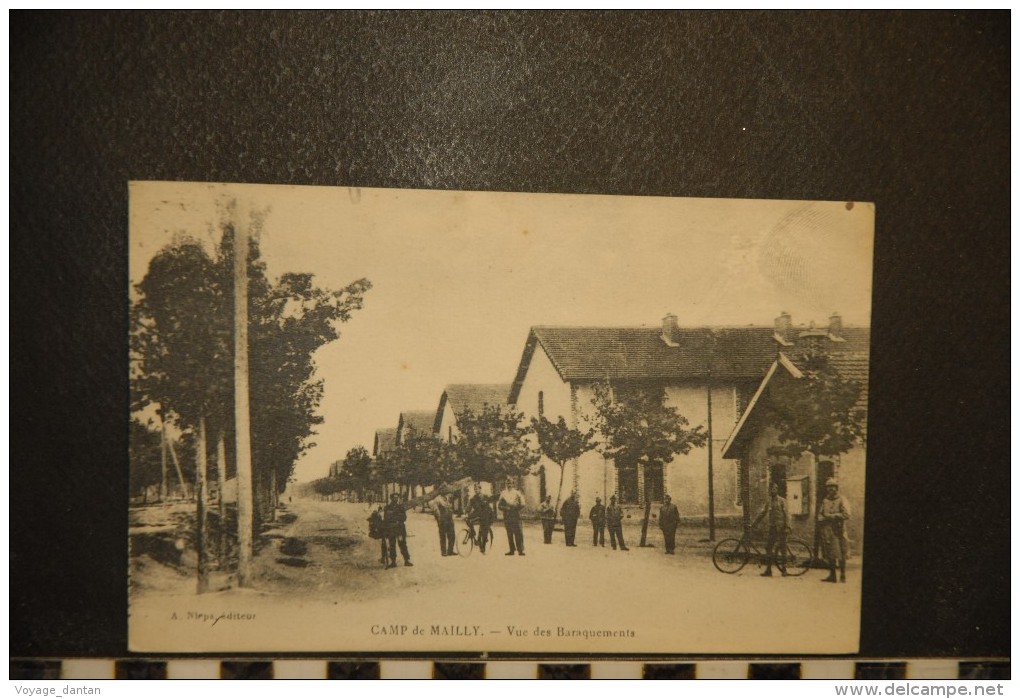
(543, 377)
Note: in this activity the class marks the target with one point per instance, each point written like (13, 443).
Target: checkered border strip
(105, 669)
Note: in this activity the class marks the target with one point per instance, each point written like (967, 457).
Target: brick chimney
(784, 328)
(670, 330)
(836, 325)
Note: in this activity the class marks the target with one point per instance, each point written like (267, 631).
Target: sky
(460, 277)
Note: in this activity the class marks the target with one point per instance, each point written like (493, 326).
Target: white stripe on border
(616, 671)
(192, 669)
(300, 670)
(405, 670)
(936, 669)
(79, 669)
(721, 670)
(495, 670)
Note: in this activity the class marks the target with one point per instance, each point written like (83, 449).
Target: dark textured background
(910, 111)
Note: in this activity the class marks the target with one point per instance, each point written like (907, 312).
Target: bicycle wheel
(730, 555)
(466, 544)
(797, 557)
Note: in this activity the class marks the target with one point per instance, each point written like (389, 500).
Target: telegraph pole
(242, 417)
(711, 484)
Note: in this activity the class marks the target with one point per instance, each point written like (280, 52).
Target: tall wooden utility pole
(711, 474)
(201, 485)
(163, 490)
(242, 417)
(221, 475)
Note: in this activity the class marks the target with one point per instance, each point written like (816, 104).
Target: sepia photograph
(385, 420)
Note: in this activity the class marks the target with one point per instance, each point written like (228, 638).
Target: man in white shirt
(511, 502)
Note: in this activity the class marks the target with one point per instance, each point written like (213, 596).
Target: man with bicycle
(778, 518)
(480, 513)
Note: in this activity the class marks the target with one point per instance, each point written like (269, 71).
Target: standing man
(832, 516)
(777, 517)
(444, 519)
(376, 530)
(511, 502)
(547, 513)
(669, 518)
(570, 511)
(394, 518)
(597, 515)
(614, 521)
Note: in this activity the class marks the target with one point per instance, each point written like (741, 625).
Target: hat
(831, 482)
(393, 496)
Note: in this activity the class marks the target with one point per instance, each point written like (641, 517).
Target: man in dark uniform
(547, 513)
(394, 518)
(376, 530)
(570, 511)
(511, 502)
(597, 515)
(480, 513)
(777, 518)
(614, 521)
(669, 518)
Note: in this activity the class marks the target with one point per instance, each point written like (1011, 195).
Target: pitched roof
(849, 358)
(385, 440)
(417, 420)
(470, 396)
(641, 353)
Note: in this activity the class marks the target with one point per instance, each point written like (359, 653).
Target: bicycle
(731, 555)
(467, 541)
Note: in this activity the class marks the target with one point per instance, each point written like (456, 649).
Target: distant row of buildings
(719, 378)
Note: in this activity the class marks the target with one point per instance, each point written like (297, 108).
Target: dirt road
(322, 588)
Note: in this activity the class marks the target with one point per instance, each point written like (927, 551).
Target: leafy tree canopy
(640, 428)
(817, 413)
(561, 443)
(493, 444)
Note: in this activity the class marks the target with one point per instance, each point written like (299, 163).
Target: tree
(356, 470)
(145, 461)
(493, 444)
(561, 444)
(288, 321)
(640, 429)
(180, 354)
(424, 461)
(182, 340)
(817, 413)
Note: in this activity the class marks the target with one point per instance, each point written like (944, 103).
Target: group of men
(600, 516)
(833, 512)
(388, 525)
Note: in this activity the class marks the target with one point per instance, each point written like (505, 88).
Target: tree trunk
(648, 510)
(201, 469)
(711, 476)
(273, 495)
(162, 448)
(242, 416)
(559, 491)
(221, 508)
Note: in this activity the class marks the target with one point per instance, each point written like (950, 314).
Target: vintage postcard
(368, 420)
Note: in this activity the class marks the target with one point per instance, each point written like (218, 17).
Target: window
(541, 404)
(627, 484)
(654, 482)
